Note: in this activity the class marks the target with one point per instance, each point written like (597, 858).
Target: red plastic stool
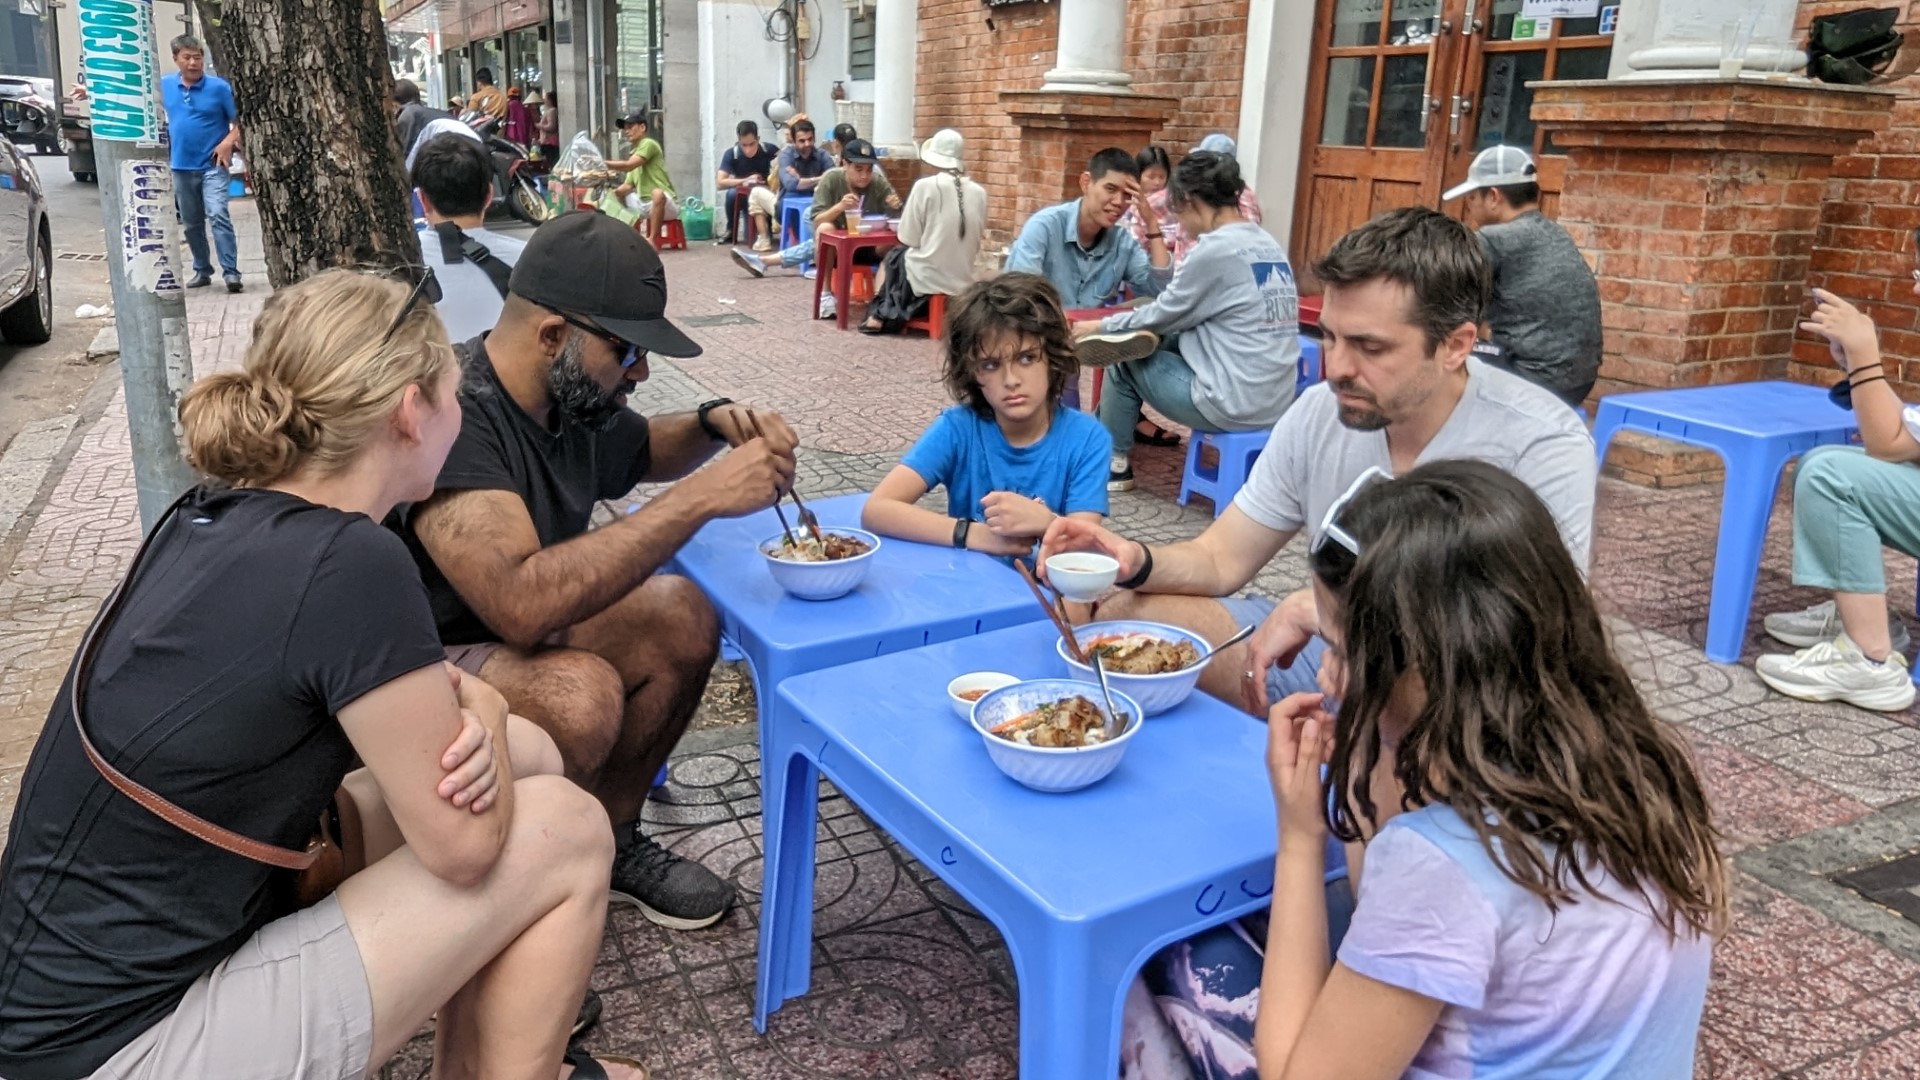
(934, 321)
(673, 237)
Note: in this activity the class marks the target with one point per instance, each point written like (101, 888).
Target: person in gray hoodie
(1227, 325)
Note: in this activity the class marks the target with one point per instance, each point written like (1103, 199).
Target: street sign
(116, 52)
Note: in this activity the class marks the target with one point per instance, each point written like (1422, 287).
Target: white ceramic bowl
(820, 580)
(1084, 576)
(975, 680)
(1044, 768)
(1155, 693)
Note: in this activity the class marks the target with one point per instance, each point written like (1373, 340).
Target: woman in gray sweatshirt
(1229, 323)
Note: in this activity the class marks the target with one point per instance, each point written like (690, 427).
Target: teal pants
(1846, 507)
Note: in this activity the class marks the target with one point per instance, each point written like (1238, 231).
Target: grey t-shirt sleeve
(1274, 495)
(1560, 467)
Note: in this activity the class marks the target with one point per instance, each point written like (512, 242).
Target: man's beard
(575, 393)
(1360, 417)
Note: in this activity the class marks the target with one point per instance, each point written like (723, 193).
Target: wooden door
(1404, 93)
(1491, 104)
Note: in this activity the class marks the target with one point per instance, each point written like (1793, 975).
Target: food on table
(1142, 654)
(973, 695)
(829, 548)
(1069, 722)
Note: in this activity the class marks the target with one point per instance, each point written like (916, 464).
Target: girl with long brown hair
(1540, 887)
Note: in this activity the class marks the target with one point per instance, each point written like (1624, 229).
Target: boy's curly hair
(1011, 305)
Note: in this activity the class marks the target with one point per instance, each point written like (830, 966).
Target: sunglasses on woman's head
(1330, 525)
(428, 287)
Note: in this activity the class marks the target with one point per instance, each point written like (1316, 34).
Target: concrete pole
(143, 259)
(1092, 51)
(896, 44)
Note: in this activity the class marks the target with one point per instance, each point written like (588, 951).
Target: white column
(1666, 39)
(1092, 51)
(896, 45)
(1273, 83)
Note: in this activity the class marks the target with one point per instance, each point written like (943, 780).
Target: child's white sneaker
(1838, 671)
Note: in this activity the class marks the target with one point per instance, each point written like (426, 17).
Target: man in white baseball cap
(1544, 314)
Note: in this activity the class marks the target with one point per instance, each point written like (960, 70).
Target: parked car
(26, 252)
(28, 114)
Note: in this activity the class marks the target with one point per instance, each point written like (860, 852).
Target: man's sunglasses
(629, 353)
(427, 287)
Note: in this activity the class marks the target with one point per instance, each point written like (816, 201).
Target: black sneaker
(670, 891)
(199, 281)
(234, 284)
(1120, 481)
(1105, 350)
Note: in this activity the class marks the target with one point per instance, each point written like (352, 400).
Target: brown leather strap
(192, 824)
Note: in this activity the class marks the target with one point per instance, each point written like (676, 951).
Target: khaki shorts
(291, 1002)
(471, 658)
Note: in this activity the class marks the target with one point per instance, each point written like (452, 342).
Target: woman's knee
(531, 750)
(566, 827)
(1826, 478)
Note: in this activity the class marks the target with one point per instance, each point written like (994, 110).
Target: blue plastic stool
(1756, 428)
(1311, 369)
(796, 224)
(1237, 452)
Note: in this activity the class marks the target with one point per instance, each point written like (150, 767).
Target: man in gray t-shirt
(1404, 297)
(1544, 313)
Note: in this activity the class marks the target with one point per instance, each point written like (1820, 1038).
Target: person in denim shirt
(203, 127)
(1076, 246)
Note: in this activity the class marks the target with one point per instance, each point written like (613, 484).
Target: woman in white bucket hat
(940, 232)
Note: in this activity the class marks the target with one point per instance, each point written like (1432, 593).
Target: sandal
(593, 1067)
(1155, 435)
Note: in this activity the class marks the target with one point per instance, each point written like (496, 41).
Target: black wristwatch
(961, 527)
(1141, 575)
(706, 425)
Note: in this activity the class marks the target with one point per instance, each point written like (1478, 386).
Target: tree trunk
(311, 81)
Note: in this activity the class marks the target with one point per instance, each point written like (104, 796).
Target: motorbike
(514, 189)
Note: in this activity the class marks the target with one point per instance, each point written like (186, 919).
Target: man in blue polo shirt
(203, 128)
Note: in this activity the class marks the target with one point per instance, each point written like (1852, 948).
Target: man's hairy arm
(485, 543)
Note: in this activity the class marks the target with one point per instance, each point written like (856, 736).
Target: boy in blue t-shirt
(1011, 457)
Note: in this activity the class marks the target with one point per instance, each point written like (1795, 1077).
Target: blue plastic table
(1756, 428)
(914, 594)
(1084, 886)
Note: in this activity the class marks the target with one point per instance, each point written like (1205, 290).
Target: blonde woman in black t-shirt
(272, 636)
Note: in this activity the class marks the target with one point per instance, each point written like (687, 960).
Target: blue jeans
(200, 196)
(1162, 380)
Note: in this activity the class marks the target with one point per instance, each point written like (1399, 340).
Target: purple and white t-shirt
(1596, 990)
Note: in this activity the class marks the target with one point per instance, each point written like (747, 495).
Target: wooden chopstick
(1059, 618)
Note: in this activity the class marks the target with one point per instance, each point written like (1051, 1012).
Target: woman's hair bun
(245, 429)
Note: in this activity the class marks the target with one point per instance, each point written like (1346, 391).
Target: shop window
(860, 45)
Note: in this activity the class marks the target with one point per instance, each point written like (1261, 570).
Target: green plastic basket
(696, 218)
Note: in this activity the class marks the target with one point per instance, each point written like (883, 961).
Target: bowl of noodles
(1050, 734)
(1153, 663)
(823, 569)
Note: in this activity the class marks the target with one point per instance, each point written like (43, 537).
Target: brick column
(1060, 130)
(1697, 201)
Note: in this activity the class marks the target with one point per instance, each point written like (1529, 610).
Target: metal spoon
(1114, 718)
(1238, 636)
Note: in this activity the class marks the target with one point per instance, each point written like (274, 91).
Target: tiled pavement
(909, 981)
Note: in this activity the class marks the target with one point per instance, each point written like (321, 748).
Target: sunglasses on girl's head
(1330, 525)
(428, 287)
(629, 353)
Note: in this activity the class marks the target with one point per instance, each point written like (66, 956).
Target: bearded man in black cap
(577, 628)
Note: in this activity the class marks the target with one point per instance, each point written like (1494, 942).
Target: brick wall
(1190, 49)
(1864, 248)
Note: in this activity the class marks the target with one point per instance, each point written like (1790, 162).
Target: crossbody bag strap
(186, 821)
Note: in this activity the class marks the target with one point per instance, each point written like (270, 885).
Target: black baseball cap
(637, 116)
(858, 152)
(845, 133)
(588, 264)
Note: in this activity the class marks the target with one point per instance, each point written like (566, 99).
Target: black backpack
(456, 246)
